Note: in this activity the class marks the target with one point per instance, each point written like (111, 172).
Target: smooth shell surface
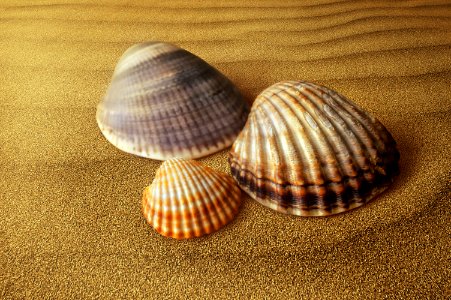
(187, 199)
(165, 102)
(307, 150)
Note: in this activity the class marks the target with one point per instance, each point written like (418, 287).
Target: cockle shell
(165, 102)
(307, 150)
(187, 199)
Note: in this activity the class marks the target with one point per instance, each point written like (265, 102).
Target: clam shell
(307, 150)
(165, 102)
(187, 199)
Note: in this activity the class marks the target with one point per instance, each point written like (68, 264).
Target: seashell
(307, 150)
(165, 102)
(187, 199)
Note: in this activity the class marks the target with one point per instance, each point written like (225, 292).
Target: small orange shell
(187, 199)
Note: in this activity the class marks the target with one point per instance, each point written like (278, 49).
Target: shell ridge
(236, 192)
(267, 93)
(376, 154)
(238, 141)
(318, 193)
(332, 136)
(358, 112)
(274, 158)
(326, 158)
(319, 137)
(253, 132)
(355, 127)
(189, 173)
(187, 225)
(228, 198)
(155, 187)
(383, 142)
(364, 118)
(169, 201)
(244, 154)
(329, 133)
(262, 160)
(196, 172)
(360, 156)
(308, 152)
(223, 206)
(240, 167)
(217, 196)
(157, 205)
(287, 176)
(206, 201)
(343, 153)
(227, 192)
(145, 204)
(356, 147)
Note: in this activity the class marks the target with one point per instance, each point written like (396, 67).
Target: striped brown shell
(307, 150)
(187, 199)
(166, 102)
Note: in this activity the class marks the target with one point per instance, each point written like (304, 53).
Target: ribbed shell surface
(187, 199)
(307, 150)
(165, 102)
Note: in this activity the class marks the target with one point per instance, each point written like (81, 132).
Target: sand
(70, 219)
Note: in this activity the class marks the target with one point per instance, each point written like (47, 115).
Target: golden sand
(70, 220)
